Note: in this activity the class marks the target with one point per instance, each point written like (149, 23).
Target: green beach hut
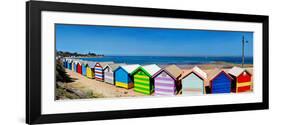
(142, 76)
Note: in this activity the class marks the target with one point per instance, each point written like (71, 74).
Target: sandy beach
(99, 89)
(106, 90)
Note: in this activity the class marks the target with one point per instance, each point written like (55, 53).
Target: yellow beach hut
(90, 70)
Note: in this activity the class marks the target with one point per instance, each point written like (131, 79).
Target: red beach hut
(242, 80)
(79, 68)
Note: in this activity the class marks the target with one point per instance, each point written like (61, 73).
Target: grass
(64, 93)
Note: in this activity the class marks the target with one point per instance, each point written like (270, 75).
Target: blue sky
(130, 41)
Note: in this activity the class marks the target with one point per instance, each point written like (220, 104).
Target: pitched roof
(103, 64)
(173, 70)
(91, 64)
(130, 68)
(212, 73)
(84, 62)
(200, 72)
(195, 70)
(151, 69)
(113, 67)
(236, 71)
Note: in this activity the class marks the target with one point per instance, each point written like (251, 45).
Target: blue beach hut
(75, 66)
(64, 63)
(84, 68)
(219, 81)
(123, 76)
(69, 64)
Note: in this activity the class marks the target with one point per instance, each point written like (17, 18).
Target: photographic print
(96, 61)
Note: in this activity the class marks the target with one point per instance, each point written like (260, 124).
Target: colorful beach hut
(75, 65)
(79, 67)
(123, 76)
(99, 70)
(69, 64)
(166, 81)
(84, 67)
(143, 82)
(242, 80)
(193, 81)
(90, 69)
(108, 71)
(219, 81)
(64, 63)
(72, 65)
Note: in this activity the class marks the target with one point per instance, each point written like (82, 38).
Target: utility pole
(243, 47)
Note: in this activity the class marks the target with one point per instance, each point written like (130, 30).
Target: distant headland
(77, 55)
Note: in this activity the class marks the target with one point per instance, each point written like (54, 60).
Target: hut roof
(151, 69)
(103, 64)
(212, 73)
(91, 64)
(84, 62)
(114, 66)
(130, 68)
(197, 71)
(200, 72)
(69, 60)
(236, 71)
(173, 70)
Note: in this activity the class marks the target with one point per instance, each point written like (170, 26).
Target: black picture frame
(33, 61)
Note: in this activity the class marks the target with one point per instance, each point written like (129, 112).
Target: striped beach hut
(79, 67)
(166, 81)
(99, 70)
(143, 82)
(193, 81)
(242, 79)
(123, 76)
(219, 81)
(90, 68)
(108, 71)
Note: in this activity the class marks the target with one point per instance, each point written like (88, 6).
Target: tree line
(75, 54)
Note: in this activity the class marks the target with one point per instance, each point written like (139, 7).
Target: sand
(102, 89)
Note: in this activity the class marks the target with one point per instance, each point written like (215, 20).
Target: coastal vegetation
(75, 54)
(63, 91)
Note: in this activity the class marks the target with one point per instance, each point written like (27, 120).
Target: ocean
(163, 60)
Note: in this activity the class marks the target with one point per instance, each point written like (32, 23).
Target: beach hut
(242, 79)
(90, 69)
(99, 70)
(219, 81)
(143, 82)
(193, 81)
(75, 65)
(108, 71)
(64, 63)
(69, 64)
(123, 76)
(166, 80)
(84, 67)
(79, 67)
(72, 65)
